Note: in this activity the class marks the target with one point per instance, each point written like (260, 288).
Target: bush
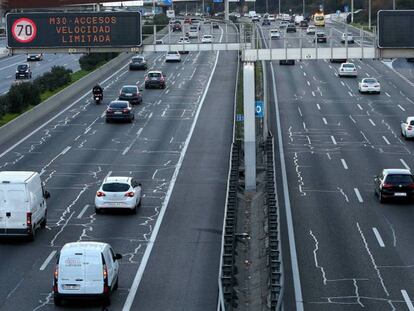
(22, 96)
(91, 61)
(56, 78)
(4, 105)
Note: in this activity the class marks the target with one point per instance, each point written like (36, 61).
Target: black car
(320, 37)
(265, 22)
(155, 79)
(176, 27)
(138, 63)
(119, 110)
(304, 24)
(291, 28)
(394, 184)
(216, 26)
(130, 93)
(23, 72)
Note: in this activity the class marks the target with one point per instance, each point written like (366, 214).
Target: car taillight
(109, 110)
(162, 79)
(386, 186)
(126, 110)
(29, 219)
(55, 279)
(146, 78)
(411, 186)
(100, 194)
(129, 194)
(105, 277)
(409, 127)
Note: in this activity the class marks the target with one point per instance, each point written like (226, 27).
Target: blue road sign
(167, 2)
(259, 109)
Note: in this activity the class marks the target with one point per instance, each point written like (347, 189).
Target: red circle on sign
(24, 30)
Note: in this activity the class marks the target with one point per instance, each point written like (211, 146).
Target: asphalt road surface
(178, 148)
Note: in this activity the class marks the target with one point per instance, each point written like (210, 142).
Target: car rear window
(348, 66)
(154, 75)
(22, 67)
(118, 105)
(370, 81)
(129, 89)
(115, 187)
(172, 53)
(399, 179)
(137, 59)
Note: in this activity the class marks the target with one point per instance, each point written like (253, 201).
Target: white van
(193, 32)
(85, 270)
(22, 203)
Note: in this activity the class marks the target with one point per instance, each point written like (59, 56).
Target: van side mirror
(118, 257)
(46, 194)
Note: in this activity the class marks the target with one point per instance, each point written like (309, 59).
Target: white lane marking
(367, 74)
(399, 106)
(304, 125)
(167, 91)
(65, 150)
(59, 114)
(387, 94)
(405, 164)
(386, 140)
(171, 140)
(145, 258)
(350, 94)
(324, 120)
(109, 174)
(378, 236)
(308, 83)
(126, 150)
(48, 259)
(313, 93)
(82, 211)
(358, 194)
(342, 82)
(319, 107)
(407, 300)
(344, 164)
(300, 112)
(359, 106)
(304, 73)
(352, 119)
(372, 122)
(333, 140)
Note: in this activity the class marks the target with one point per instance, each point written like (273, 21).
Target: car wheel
(107, 301)
(134, 210)
(107, 121)
(58, 301)
(381, 198)
(98, 210)
(44, 221)
(116, 284)
(32, 234)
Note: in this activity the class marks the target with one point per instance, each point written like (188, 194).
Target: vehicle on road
(215, 26)
(319, 19)
(119, 110)
(138, 63)
(271, 17)
(320, 37)
(256, 18)
(252, 14)
(394, 184)
(130, 93)
(155, 79)
(304, 24)
(298, 19)
(118, 193)
(22, 203)
(184, 40)
(291, 28)
(159, 41)
(274, 34)
(311, 30)
(176, 27)
(172, 57)
(266, 22)
(207, 39)
(283, 24)
(34, 57)
(407, 128)
(369, 85)
(347, 37)
(347, 70)
(85, 270)
(23, 71)
(193, 32)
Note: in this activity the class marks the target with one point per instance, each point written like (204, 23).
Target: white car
(207, 39)
(311, 30)
(369, 85)
(173, 57)
(274, 34)
(407, 128)
(271, 17)
(184, 40)
(85, 270)
(118, 193)
(348, 70)
(193, 32)
(256, 18)
(283, 24)
(347, 37)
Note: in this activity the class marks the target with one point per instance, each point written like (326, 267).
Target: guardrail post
(249, 126)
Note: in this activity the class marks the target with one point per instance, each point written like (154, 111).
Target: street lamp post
(369, 14)
(303, 12)
(352, 11)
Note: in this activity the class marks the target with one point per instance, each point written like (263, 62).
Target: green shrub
(4, 105)
(91, 61)
(54, 79)
(22, 96)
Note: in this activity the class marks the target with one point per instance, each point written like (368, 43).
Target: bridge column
(249, 126)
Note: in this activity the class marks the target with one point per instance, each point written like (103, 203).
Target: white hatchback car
(348, 70)
(173, 57)
(311, 30)
(347, 37)
(207, 39)
(407, 128)
(369, 85)
(274, 34)
(118, 193)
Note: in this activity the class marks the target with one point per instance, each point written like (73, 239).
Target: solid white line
(66, 150)
(350, 94)
(342, 82)
(405, 164)
(352, 119)
(407, 300)
(308, 83)
(304, 73)
(372, 122)
(82, 211)
(333, 140)
(319, 107)
(313, 93)
(109, 174)
(386, 140)
(359, 106)
(358, 194)
(399, 106)
(126, 150)
(145, 258)
(387, 94)
(378, 236)
(324, 121)
(48, 259)
(344, 164)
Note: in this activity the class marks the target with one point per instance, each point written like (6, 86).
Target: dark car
(119, 110)
(410, 59)
(130, 93)
(23, 72)
(320, 37)
(265, 22)
(176, 27)
(34, 57)
(304, 24)
(394, 184)
(155, 79)
(291, 28)
(138, 63)
(216, 26)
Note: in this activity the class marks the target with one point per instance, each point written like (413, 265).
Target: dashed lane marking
(344, 164)
(407, 300)
(358, 194)
(378, 236)
(82, 211)
(48, 259)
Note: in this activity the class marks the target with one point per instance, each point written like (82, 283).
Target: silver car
(347, 70)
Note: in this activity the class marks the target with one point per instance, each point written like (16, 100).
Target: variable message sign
(395, 28)
(73, 30)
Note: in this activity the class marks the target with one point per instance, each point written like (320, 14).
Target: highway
(178, 148)
(351, 252)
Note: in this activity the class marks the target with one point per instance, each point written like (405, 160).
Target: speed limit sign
(24, 30)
